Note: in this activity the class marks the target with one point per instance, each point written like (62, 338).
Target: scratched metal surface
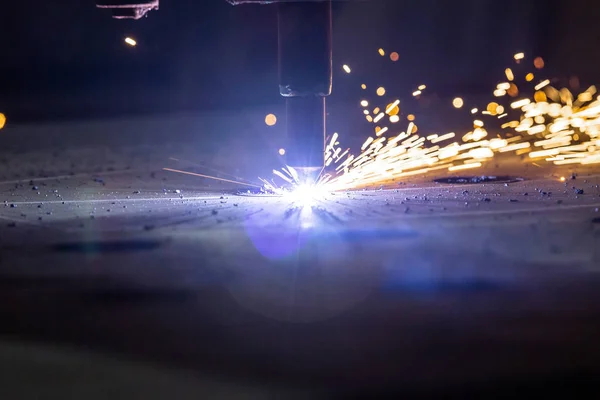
(420, 287)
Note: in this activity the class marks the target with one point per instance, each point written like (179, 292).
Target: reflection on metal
(478, 179)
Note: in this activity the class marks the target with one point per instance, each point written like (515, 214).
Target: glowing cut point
(305, 195)
(130, 41)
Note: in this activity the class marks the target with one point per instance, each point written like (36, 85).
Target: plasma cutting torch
(305, 71)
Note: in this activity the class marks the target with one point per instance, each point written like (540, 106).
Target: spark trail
(543, 122)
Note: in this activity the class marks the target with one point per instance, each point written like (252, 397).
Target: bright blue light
(306, 195)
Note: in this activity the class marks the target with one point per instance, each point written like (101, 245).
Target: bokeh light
(381, 91)
(492, 108)
(392, 108)
(458, 102)
(394, 56)
(574, 82)
(270, 119)
(2, 120)
(509, 74)
(539, 63)
(540, 96)
(282, 152)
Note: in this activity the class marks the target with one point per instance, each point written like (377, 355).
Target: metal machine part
(305, 79)
(305, 128)
(305, 71)
(305, 48)
(128, 9)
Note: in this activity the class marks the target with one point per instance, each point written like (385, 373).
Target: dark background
(67, 59)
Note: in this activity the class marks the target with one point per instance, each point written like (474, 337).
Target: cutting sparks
(458, 103)
(550, 124)
(130, 41)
